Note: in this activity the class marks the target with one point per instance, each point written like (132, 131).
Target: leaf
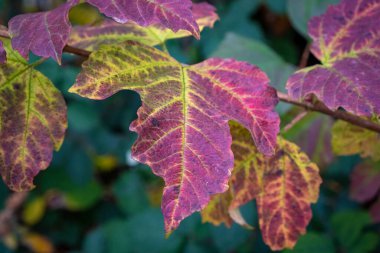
(283, 185)
(182, 125)
(300, 12)
(33, 122)
(348, 139)
(256, 52)
(173, 14)
(43, 33)
(109, 32)
(365, 181)
(313, 242)
(347, 41)
(365, 186)
(349, 228)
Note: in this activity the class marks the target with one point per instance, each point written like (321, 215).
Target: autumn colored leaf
(283, 185)
(183, 122)
(3, 53)
(365, 185)
(365, 181)
(173, 14)
(33, 121)
(347, 41)
(110, 32)
(43, 33)
(349, 139)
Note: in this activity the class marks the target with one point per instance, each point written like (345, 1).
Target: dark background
(95, 199)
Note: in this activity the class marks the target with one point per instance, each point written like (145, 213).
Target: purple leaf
(182, 124)
(43, 33)
(347, 41)
(173, 14)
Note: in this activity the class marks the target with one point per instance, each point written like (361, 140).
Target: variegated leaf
(283, 185)
(43, 33)
(347, 41)
(173, 14)
(183, 122)
(110, 32)
(33, 121)
(348, 139)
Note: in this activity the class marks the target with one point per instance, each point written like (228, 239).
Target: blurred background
(95, 199)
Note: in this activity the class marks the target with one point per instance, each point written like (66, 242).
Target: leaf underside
(347, 41)
(283, 185)
(183, 122)
(33, 122)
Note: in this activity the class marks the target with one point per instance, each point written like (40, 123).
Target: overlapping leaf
(182, 125)
(109, 32)
(43, 33)
(283, 185)
(173, 14)
(347, 41)
(348, 139)
(33, 122)
(365, 185)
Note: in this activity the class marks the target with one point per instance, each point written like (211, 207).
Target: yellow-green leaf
(283, 185)
(348, 139)
(33, 121)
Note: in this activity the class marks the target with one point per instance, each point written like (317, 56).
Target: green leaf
(313, 242)
(33, 121)
(348, 226)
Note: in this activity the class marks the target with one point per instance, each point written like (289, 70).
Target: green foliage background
(95, 199)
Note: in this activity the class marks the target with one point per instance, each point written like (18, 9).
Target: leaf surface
(173, 14)
(182, 124)
(283, 185)
(33, 122)
(348, 139)
(110, 32)
(347, 41)
(43, 33)
(365, 181)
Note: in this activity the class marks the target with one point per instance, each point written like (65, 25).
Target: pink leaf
(173, 14)
(43, 33)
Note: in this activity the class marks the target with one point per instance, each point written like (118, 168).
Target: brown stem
(305, 56)
(342, 115)
(317, 107)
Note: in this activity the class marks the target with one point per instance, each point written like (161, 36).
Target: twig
(305, 56)
(342, 115)
(295, 120)
(317, 107)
